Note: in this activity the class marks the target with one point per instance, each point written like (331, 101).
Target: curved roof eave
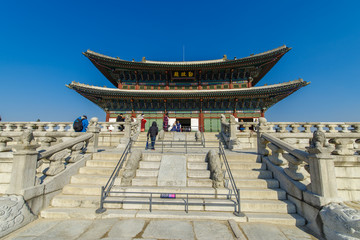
(114, 92)
(277, 51)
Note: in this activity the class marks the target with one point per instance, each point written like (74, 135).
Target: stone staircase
(261, 198)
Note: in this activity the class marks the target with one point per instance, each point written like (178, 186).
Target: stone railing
(238, 135)
(40, 172)
(30, 158)
(321, 174)
(52, 132)
(54, 126)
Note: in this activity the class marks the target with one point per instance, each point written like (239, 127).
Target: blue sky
(41, 45)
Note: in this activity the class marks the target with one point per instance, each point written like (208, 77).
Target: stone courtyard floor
(155, 229)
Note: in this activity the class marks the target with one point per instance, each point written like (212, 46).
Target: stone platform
(131, 228)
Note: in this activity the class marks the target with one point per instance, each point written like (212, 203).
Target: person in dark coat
(152, 133)
(84, 122)
(120, 118)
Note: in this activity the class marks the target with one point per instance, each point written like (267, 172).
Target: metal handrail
(105, 190)
(148, 198)
(232, 181)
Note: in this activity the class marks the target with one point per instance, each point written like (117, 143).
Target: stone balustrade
(53, 126)
(242, 135)
(51, 132)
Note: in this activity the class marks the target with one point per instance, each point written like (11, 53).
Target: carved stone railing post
(307, 128)
(357, 127)
(61, 127)
(50, 127)
(127, 133)
(24, 161)
(332, 128)
(233, 141)
(322, 170)
(7, 127)
(45, 142)
(295, 128)
(341, 146)
(262, 143)
(3, 144)
(95, 129)
(345, 128)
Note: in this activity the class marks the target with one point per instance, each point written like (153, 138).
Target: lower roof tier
(113, 99)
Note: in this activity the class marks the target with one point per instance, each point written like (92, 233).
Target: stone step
(198, 182)
(96, 171)
(75, 201)
(175, 190)
(248, 174)
(149, 164)
(67, 213)
(151, 157)
(195, 157)
(173, 204)
(82, 189)
(242, 157)
(257, 206)
(89, 213)
(246, 166)
(276, 218)
(101, 163)
(266, 194)
(108, 155)
(197, 165)
(198, 174)
(144, 181)
(98, 179)
(147, 172)
(257, 183)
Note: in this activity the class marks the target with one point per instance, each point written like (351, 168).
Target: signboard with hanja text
(183, 74)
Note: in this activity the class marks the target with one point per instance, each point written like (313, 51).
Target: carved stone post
(95, 129)
(322, 170)
(262, 143)
(24, 164)
(233, 141)
(3, 144)
(127, 133)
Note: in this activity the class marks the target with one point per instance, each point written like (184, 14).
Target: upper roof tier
(256, 66)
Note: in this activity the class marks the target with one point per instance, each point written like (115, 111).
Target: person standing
(152, 133)
(178, 126)
(120, 118)
(81, 124)
(143, 122)
(166, 122)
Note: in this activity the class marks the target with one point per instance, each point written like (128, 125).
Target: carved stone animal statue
(318, 140)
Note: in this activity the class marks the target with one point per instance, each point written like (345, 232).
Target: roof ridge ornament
(143, 60)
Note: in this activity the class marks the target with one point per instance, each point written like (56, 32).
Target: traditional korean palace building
(194, 92)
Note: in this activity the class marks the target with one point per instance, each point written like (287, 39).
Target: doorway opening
(185, 124)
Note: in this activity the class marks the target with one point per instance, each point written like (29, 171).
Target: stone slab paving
(148, 229)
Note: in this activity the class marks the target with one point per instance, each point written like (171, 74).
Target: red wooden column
(201, 117)
(107, 116)
(262, 112)
(250, 80)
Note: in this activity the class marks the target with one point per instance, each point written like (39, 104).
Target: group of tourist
(81, 124)
(176, 127)
(153, 130)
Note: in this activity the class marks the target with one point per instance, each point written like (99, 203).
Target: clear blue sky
(41, 47)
